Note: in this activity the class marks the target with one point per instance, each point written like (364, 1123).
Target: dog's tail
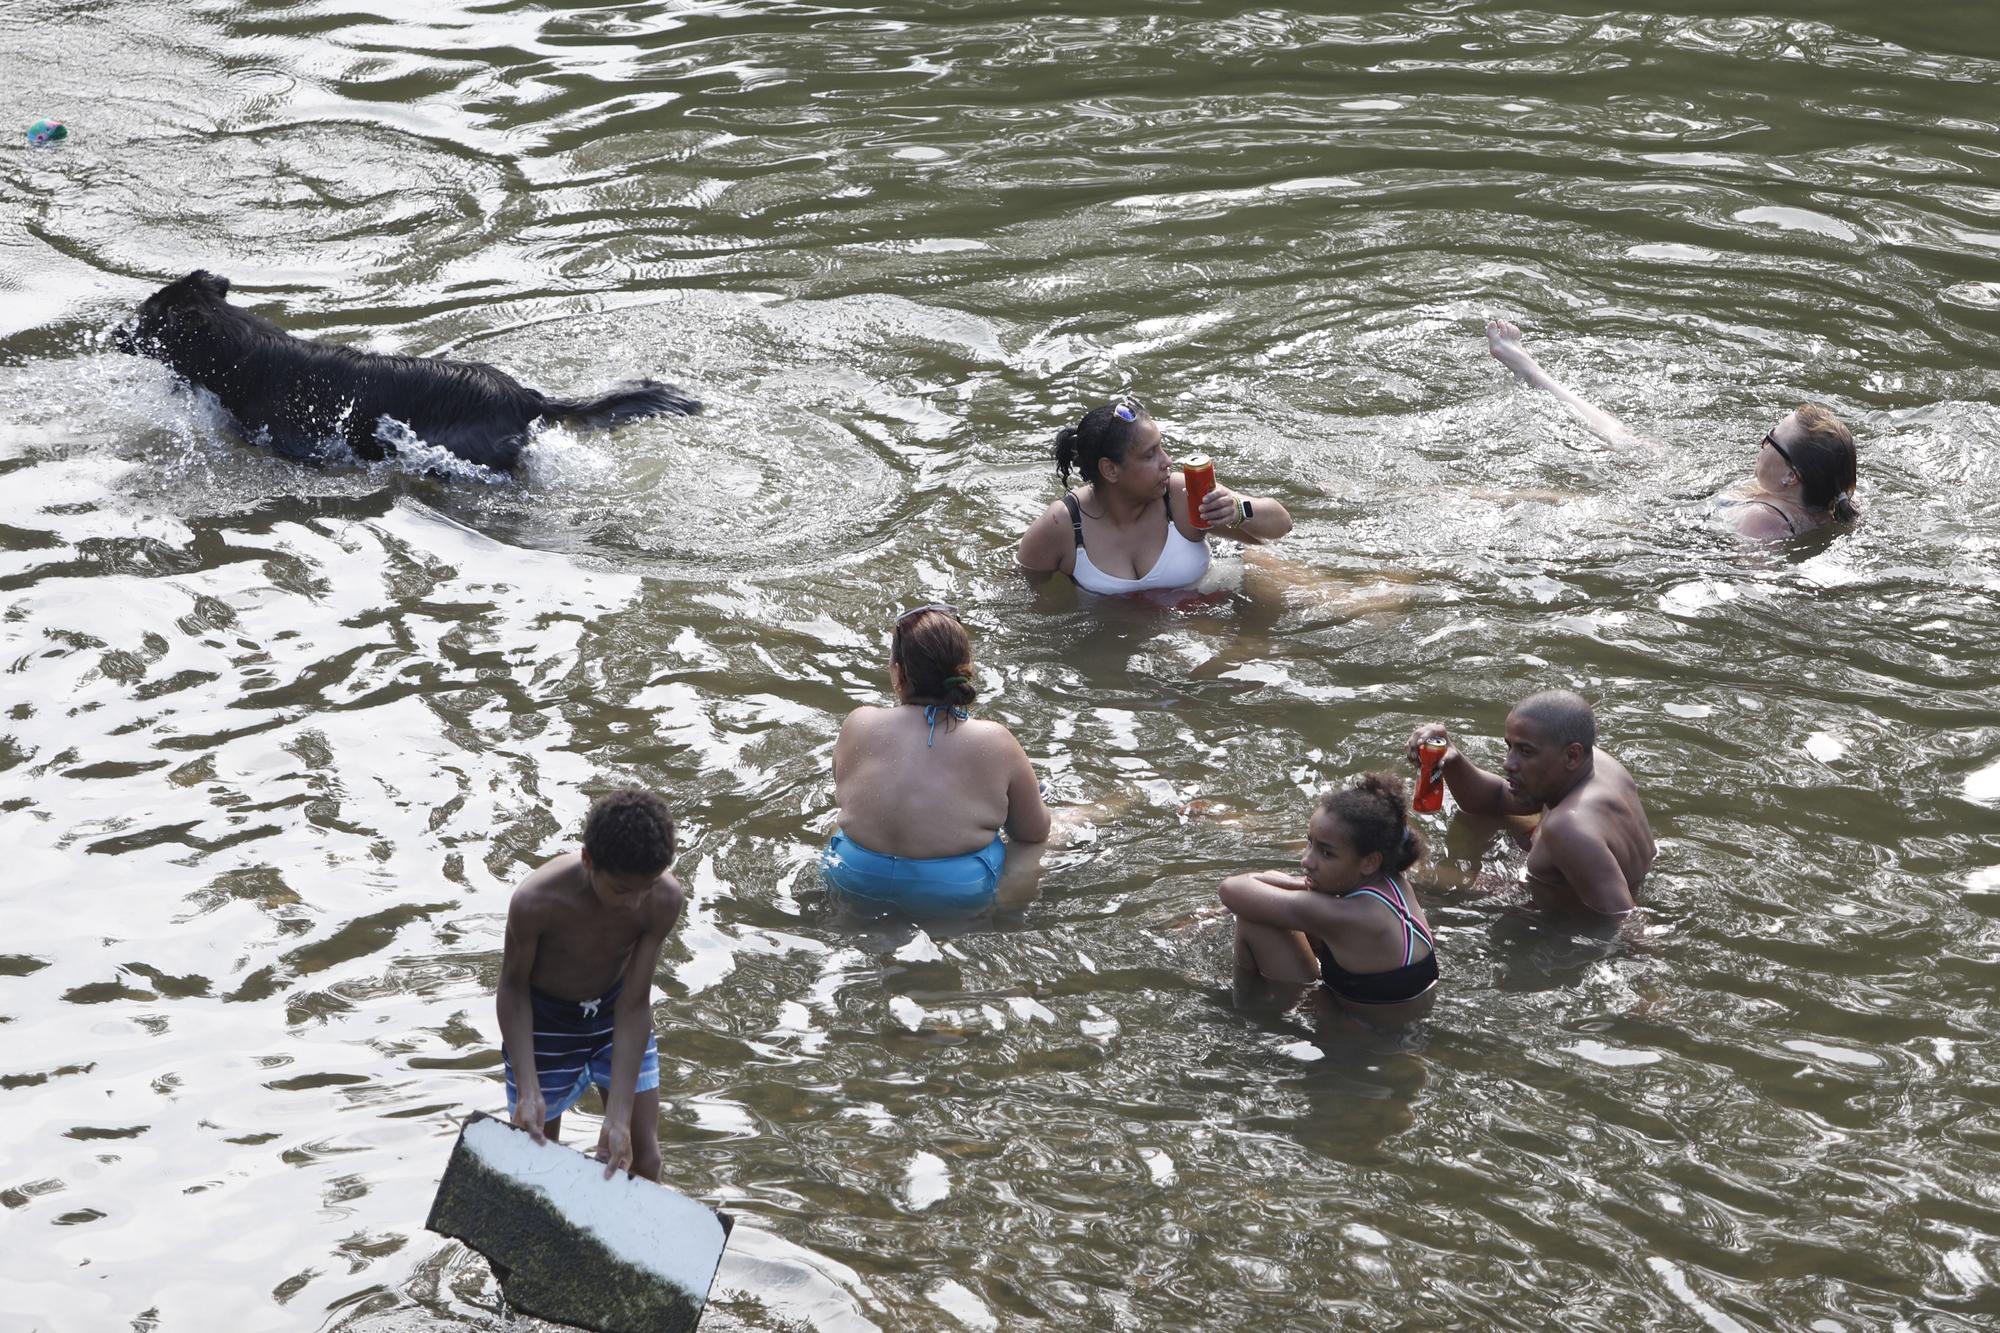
(647, 398)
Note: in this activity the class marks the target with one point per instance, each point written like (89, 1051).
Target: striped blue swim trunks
(573, 1050)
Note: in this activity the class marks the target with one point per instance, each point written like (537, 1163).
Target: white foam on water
(1677, 1283)
(795, 1283)
(646, 1225)
(1611, 1057)
(926, 1181)
(1160, 1165)
(1840, 1055)
(1966, 1267)
(1100, 1024)
(1825, 746)
(921, 949)
(959, 1302)
(907, 1012)
(1984, 786)
(1026, 1010)
(1697, 595)
(1798, 219)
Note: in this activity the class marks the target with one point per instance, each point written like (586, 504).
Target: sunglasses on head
(1127, 408)
(946, 607)
(1771, 438)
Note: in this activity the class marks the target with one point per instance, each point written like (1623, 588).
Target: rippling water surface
(275, 743)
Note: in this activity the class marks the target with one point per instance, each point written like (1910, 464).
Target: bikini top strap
(1412, 932)
(1790, 527)
(931, 712)
(1075, 517)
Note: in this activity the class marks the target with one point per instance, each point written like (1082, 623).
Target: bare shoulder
(989, 735)
(1053, 519)
(1621, 781)
(546, 887)
(1761, 523)
(664, 901)
(864, 717)
(1055, 516)
(1562, 826)
(1047, 540)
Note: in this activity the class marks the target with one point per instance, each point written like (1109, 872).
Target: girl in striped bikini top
(1350, 922)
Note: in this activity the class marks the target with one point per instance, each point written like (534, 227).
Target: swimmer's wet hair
(1564, 717)
(629, 831)
(935, 655)
(1103, 434)
(1375, 811)
(1824, 460)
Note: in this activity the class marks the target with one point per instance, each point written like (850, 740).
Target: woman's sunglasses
(946, 607)
(1771, 438)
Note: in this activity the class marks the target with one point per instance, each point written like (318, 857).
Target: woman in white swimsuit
(1126, 530)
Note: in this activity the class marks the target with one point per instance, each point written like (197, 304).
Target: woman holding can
(1130, 527)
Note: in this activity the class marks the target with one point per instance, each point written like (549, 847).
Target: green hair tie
(950, 681)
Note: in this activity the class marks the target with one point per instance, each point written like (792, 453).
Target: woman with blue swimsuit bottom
(1350, 923)
(925, 790)
(1133, 509)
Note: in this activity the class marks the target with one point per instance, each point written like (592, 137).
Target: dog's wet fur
(298, 395)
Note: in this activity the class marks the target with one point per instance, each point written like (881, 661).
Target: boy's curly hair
(629, 832)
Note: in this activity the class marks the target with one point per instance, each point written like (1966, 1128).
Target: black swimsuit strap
(1790, 528)
(1075, 517)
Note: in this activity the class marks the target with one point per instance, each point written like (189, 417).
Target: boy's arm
(517, 1015)
(631, 1020)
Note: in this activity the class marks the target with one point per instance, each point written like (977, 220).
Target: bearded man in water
(1593, 846)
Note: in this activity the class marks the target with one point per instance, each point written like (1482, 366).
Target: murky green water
(274, 744)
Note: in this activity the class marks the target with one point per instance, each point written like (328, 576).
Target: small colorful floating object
(45, 132)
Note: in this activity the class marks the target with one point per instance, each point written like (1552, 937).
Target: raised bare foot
(1503, 340)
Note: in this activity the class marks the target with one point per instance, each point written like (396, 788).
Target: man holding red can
(1593, 846)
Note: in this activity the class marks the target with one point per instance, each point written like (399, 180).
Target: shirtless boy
(576, 980)
(1593, 847)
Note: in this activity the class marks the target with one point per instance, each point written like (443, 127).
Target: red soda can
(1430, 783)
(1200, 474)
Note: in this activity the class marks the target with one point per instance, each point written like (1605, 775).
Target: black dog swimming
(297, 395)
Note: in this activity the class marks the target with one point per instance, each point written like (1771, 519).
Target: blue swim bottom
(941, 885)
(573, 1050)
